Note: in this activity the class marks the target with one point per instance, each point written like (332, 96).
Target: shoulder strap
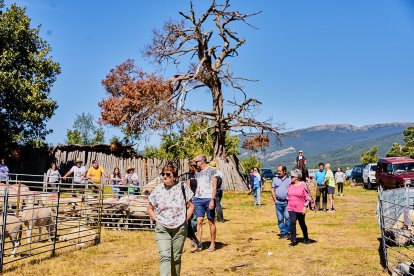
(183, 190)
(185, 198)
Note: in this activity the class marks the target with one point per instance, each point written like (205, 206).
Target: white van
(368, 176)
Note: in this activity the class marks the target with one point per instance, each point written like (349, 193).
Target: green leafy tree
(250, 162)
(404, 150)
(85, 131)
(370, 156)
(395, 150)
(27, 73)
(192, 141)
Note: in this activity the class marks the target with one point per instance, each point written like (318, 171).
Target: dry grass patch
(346, 244)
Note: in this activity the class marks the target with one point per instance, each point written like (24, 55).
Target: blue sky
(316, 62)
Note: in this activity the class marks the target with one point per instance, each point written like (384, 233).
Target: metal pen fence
(396, 220)
(71, 213)
(40, 220)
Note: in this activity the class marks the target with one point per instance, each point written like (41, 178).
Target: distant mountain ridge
(341, 144)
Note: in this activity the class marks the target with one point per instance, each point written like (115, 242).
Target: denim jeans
(282, 217)
(170, 244)
(256, 195)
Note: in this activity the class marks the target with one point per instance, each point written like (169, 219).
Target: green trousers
(170, 244)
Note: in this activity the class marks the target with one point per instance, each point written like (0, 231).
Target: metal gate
(396, 219)
(47, 222)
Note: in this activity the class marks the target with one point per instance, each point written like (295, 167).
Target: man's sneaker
(282, 236)
(293, 243)
(288, 236)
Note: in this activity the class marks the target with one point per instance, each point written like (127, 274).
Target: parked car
(395, 172)
(267, 173)
(368, 176)
(348, 173)
(356, 174)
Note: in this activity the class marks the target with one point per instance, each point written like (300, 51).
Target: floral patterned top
(170, 207)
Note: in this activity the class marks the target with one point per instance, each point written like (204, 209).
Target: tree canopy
(404, 150)
(200, 53)
(188, 144)
(85, 131)
(370, 156)
(27, 73)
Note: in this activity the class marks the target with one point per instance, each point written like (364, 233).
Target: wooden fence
(147, 169)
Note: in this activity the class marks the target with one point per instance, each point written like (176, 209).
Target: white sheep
(38, 216)
(81, 236)
(403, 269)
(14, 228)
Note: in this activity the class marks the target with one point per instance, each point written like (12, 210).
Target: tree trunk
(220, 129)
(234, 177)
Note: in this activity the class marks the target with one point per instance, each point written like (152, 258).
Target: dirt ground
(345, 243)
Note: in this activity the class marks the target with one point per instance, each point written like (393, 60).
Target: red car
(395, 172)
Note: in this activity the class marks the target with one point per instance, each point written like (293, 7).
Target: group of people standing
(92, 177)
(292, 197)
(173, 205)
(325, 185)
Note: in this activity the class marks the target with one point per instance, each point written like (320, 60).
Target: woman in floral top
(168, 207)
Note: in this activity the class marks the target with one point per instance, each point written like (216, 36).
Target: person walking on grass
(299, 199)
(219, 194)
(320, 188)
(204, 199)
(256, 181)
(280, 187)
(330, 183)
(340, 178)
(170, 206)
(192, 223)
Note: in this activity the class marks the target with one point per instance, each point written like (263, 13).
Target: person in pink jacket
(299, 198)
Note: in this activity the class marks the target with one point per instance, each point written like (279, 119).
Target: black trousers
(340, 187)
(191, 234)
(293, 216)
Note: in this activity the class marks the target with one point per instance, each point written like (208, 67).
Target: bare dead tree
(205, 56)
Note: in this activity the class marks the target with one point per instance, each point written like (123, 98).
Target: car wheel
(369, 184)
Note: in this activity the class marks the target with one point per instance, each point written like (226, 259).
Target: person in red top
(299, 198)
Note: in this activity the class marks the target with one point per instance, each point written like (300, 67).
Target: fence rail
(38, 219)
(396, 220)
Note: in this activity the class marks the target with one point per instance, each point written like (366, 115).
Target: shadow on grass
(301, 240)
(219, 245)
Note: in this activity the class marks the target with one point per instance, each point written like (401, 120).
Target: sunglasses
(167, 174)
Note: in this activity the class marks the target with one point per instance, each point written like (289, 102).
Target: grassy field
(346, 243)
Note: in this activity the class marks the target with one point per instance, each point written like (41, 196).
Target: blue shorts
(331, 190)
(201, 208)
